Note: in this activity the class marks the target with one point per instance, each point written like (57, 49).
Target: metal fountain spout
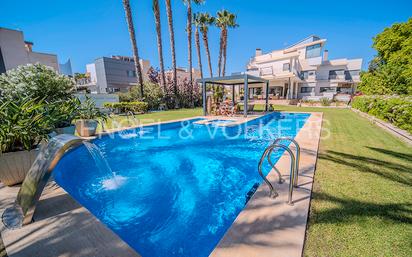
(21, 213)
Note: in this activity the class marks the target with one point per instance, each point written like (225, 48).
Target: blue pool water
(173, 190)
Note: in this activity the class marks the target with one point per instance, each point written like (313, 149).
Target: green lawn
(123, 121)
(362, 195)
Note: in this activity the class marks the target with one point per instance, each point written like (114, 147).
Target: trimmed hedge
(394, 109)
(135, 107)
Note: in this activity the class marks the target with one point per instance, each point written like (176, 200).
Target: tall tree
(206, 20)
(390, 72)
(188, 4)
(224, 21)
(197, 22)
(172, 48)
(156, 12)
(130, 26)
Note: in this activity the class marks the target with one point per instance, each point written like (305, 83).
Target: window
(334, 74)
(307, 89)
(313, 51)
(131, 73)
(286, 67)
(306, 74)
(327, 89)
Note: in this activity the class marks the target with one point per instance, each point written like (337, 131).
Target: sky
(85, 30)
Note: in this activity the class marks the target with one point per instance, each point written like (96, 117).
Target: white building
(14, 51)
(303, 70)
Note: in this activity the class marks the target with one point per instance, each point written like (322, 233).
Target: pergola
(233, 80)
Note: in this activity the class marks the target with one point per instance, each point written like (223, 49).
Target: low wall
(99, 99)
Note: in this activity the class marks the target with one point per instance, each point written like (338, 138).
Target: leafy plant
(394, 109)
(89, 111)
(390, 72)
(64, 112)
(36, 81)
(135, 107)
(324, 101)
(24, 124)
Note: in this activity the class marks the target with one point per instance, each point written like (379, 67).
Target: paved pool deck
(266, 227)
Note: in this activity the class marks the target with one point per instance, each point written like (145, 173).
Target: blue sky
(86, 30)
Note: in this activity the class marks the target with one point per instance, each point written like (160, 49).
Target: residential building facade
(15, 51)
(114, 74)
(303, 71)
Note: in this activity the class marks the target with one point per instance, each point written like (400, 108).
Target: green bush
(153, 95)
(24, 124)
(88, 111)
(324, 101)
(135, 107)
(394, 109)
(36, 81)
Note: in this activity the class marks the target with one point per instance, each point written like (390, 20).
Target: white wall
(99, 99)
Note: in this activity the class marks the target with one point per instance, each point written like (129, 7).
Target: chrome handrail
(295, 181)
(130, 113)
(273, 192)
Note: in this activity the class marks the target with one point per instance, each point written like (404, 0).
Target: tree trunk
(224, 51)
(156, 11)
(172, 48)
(199, 58)
(206, 43)
(189, 49)
(138, 68)
(219, 62)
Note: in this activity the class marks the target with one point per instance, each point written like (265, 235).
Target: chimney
(258, 52)
(29, 46)
(325, 55)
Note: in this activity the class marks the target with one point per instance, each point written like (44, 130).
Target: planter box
(15, 165)
(86, 128)
(66, 130)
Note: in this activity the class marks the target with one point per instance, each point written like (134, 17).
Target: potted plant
(63, 113)
(87, 118)
(24, 125)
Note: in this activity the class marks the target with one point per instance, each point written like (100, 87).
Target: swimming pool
(173, 190)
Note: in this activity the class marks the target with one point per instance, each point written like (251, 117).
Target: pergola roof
(239, 79)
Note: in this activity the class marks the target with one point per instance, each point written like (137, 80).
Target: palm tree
(138, 68)
(206, 20)
(197, 22)
(156, 12)
(224, 21)
(188, 4)
(172, 48)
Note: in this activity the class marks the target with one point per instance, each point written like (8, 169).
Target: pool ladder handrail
(273, 193)
(297, 160)
(128, 114)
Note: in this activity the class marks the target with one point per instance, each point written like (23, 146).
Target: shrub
(24, 124)
(135, 107)
(63, 112)
(153, 95)
(394, 109)
(324, 101)
(89, 111)
(36, 81)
